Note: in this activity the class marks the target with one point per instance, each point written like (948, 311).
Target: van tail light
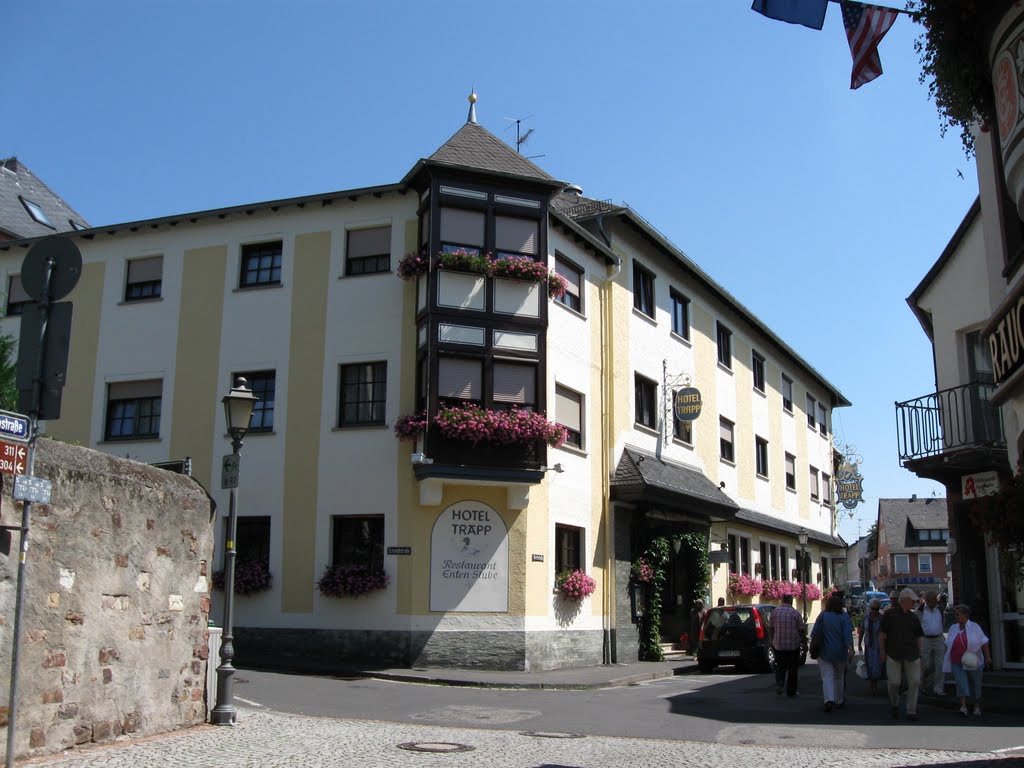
(758, 625)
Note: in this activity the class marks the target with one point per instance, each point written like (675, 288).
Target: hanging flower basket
(409, 427)
(251, 576)
(412, 265)
(574, 584)
(351, 581)
(641, 571)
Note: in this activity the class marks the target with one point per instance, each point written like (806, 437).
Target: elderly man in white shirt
(933, 650)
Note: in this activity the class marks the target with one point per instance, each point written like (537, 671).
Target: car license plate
(728, 653)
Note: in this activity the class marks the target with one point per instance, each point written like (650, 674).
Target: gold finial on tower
(472, 106)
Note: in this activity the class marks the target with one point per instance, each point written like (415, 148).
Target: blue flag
(809, 13)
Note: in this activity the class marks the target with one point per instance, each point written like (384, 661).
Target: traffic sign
(12, 458)
(229, 471)
(14, 426)
(32, 489)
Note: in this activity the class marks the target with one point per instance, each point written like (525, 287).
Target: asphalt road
(724, 707)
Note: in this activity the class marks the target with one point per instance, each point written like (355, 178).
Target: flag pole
(888, 8)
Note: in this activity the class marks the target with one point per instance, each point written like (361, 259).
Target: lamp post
(238, 405)
(802, 538)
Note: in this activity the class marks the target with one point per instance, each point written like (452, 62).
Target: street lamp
(238, 405)
(802, 538)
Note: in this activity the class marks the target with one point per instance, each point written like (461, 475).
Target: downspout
(607, 378)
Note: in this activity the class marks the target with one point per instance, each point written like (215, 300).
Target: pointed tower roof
(474, 148)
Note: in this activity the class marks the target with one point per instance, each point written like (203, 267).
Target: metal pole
(26, 516)
(804, 572)
(225, 713)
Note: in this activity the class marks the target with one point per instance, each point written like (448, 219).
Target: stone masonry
(114, 631)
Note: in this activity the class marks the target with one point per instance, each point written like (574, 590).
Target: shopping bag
(862, 669)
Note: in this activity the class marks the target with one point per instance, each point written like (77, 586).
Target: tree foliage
(8, 378)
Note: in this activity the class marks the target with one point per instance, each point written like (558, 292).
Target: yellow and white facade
(302, 294)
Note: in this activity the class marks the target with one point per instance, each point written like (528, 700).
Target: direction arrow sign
(229, 471)
(12, 458)
(14, 426)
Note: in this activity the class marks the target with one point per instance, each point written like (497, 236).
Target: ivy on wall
(694, 552)
(656, 555)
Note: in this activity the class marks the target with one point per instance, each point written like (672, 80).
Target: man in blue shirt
(786, 629)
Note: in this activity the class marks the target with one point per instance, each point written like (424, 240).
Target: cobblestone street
(270, 740)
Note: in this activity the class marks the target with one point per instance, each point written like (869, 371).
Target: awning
(644, 477)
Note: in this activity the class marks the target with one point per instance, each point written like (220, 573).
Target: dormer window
(38, 214)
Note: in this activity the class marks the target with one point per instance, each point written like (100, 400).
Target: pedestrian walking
(867, 643)
(933, 648)
(835, 631)
(965, 647)
(786, 630)
(696, 620)
(900, 639)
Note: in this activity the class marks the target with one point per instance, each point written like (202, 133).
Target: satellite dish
(61, 258)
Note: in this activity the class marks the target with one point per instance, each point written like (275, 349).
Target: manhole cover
(435, 746)
(551, 735)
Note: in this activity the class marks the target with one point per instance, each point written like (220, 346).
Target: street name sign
(14, 426)
(32, 489)
(229, 471)
(12, 458)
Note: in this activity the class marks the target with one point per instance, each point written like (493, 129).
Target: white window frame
(896, 559)
(920, 562)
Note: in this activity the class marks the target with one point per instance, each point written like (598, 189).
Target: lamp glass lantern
(238, 405)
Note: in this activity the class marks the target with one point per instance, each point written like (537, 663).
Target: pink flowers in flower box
(415, 264)
(351, 581)
(775, 589)
(574, 584)
(741, 584)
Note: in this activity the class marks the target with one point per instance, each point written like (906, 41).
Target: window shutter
(130, 390)
(567, 409)
(462, 226)
(571, 275)
(459, 378)
(145, 270)
(369, 242)
(511, 234)
(18, 294)
(514, 383)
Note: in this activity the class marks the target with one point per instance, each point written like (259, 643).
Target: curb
(617, 682)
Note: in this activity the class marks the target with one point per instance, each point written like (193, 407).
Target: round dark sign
(56, 258)
(687, 403)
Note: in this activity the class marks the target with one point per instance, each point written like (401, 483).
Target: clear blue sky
(819, 207)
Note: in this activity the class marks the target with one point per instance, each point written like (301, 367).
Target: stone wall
(114, 630)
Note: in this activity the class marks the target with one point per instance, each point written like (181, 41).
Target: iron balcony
(958, 426)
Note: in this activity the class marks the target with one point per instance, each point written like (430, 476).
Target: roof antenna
(472, 106)
(521, 138)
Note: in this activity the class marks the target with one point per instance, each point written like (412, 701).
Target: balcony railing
(949, 421)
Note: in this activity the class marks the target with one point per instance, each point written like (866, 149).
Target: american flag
(866, 25)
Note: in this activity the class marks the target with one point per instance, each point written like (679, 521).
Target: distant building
(912, 536)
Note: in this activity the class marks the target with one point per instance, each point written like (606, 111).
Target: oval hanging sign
(687, 403)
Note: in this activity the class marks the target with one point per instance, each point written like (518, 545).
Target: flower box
(574, 584)
(351, 581)
(251, 576)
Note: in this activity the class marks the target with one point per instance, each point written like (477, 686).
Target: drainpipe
(607, 378)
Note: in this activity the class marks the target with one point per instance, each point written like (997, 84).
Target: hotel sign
(469, 560)
(687, 403)
(849, 483)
